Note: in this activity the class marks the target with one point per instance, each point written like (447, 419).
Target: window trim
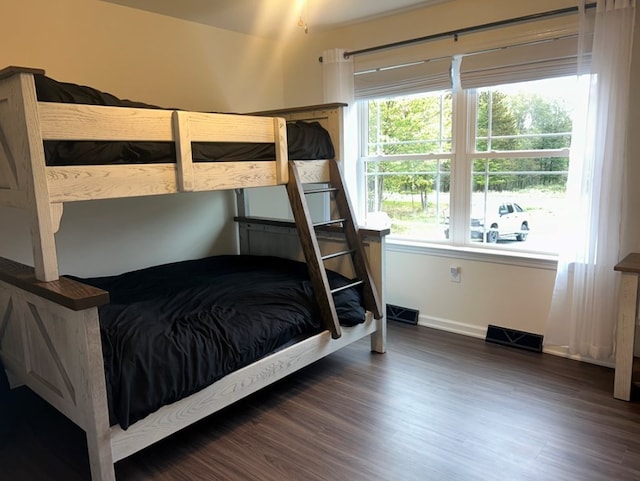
(462, 155)
(529, 260)
(517, 37)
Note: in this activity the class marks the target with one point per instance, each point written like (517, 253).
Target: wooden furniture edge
(630, 263)
(303, 108)
(629, 267)
(12, 70)
(64, 291)
(364, 231)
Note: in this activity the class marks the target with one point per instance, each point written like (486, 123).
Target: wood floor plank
(436, 406)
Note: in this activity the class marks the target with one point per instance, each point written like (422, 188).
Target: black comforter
(172, 330)
(305, 140)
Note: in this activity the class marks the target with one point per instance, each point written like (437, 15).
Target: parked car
(498, 221)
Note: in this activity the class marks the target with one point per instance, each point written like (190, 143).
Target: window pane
(405, 183)
(517, 200)
(413, 194)
(525, 116)
(415, 124)
(519, 164)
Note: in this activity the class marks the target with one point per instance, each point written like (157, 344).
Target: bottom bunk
(172, 330)
(60, 339)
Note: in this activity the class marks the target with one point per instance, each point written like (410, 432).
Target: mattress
(305, 140)
(171, 330)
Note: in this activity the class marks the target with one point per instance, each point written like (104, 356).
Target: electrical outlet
(454, 273)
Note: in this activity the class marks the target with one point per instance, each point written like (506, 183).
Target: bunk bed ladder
(315, 259)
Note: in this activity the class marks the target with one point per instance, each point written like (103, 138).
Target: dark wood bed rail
(64, 291)
(293, 110)
(78, 296)
(364, 231)
(12, 70)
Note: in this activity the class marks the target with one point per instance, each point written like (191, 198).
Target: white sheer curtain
(583, 308)
(337, 78)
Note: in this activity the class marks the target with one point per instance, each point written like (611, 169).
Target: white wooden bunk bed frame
(49, 327)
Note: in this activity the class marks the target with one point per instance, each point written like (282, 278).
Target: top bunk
(83, 144)
(53, 136)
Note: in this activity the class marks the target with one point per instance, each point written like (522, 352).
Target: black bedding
(305, 140)
(172, 330)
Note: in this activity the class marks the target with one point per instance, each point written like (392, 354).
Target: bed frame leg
(96, 411)
(379, 338)
(100, 459)
(375, 248)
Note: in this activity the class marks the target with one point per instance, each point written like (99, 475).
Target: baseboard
(453, 326)
(563, 351)
(481, 332)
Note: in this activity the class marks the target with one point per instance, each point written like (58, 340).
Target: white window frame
(519, 35)
(462, 156)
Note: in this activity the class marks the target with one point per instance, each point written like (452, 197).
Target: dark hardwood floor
(437, 406)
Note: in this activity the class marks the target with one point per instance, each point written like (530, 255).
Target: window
(408, 161)
(509, 161)
(520, 162)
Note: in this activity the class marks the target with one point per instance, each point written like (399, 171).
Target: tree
(403, 126)
(495, 119)
(540, 115)
(521, 122)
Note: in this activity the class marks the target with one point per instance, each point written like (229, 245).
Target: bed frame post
(97, 428)
(20, 138)
(56, 352)
(376, 250)
(282, 155)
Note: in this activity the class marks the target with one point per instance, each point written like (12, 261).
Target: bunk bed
(52, 327)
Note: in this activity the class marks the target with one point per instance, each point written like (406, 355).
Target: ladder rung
(338, 254)
(340, 207)
(347, 286)
(321, 190)
(329, 222)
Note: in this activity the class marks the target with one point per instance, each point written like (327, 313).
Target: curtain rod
(461, 31)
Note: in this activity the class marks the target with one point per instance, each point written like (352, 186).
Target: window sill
(493, 256)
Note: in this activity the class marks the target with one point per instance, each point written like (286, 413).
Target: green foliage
(495, 119)
(524, 121)
(406, 126)
(504, 122)
(410, 125)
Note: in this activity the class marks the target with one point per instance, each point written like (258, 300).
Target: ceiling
(274, 18)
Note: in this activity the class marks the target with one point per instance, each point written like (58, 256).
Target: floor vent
(402, 314)
(513, 338)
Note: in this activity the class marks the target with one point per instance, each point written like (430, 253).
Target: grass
(409, 220)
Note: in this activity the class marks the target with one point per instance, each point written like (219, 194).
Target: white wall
(152, 58)
(161, 60)
(490, 293)
(498, 293)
